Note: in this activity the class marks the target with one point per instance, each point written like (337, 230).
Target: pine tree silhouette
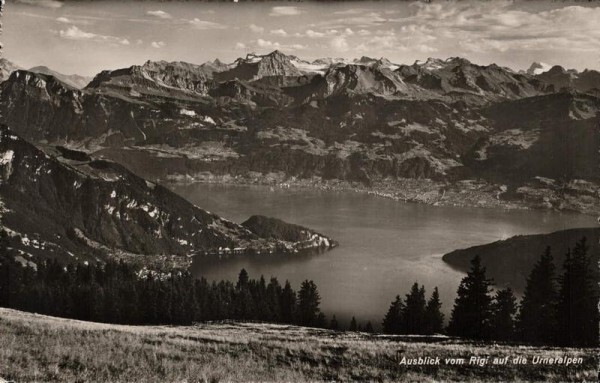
(434, 319)
(413, 316)
(577, 313)
(334, 325)
(537, 316)
(392, 322)
(471, 314)
(353, 325)
(504, 310)
(308, 304)
(288, 304)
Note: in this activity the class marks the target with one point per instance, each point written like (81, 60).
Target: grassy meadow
(37, 348)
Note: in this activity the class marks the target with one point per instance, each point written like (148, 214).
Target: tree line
(415, 314)
(555, 309)
(115, 293)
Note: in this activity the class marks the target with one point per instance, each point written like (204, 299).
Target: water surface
(385, 245)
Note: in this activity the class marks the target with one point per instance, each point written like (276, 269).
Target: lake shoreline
(467, 193)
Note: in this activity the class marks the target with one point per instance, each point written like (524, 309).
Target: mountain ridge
(440, 122)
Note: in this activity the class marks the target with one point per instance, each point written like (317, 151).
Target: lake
(385, 245)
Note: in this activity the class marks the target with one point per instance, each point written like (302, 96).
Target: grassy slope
(41, 348)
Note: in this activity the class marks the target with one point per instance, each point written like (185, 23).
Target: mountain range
(74, 80)
(455, 132)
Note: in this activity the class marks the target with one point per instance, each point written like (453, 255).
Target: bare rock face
(254, 67)
(160, 78)
(75, 204)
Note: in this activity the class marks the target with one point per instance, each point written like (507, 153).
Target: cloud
(285, 11)
(74, 33)
(239, 45)
(205, 25)
(351, 11)
(160, 14)
(256, 29)
(66, 20)
(53, 4)
(313, 34)
(364, 20)
(279, 32)
(158, 44)
(266, 44)
(339, 43)
(499, 27)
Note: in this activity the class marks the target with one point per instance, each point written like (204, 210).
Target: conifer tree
(369, 327)
(288, 304)
(414, 312)
(471, 314)
(577, 313)
(353, 325)
(434, 319)
(537, 316)
(334, 325)
(308, 303)
(392, 322)
(321, 320)
(273, 299)
(243, 279)
(504, 310)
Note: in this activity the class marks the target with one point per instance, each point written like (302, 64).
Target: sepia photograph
(299, 191)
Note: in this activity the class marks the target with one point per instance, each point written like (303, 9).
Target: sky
(87, 37)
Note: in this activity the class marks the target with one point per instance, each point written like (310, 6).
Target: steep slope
(156, 78)
(266, 227)
(6, 68)
(363, 79)
(77, 206)
(74, 80)
(510, 261)
(458, 78)
(42, 107)
(254, 67)
(554, 136)
(561, 78)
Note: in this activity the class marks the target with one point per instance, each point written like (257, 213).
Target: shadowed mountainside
(510, 261)
(66, 204)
